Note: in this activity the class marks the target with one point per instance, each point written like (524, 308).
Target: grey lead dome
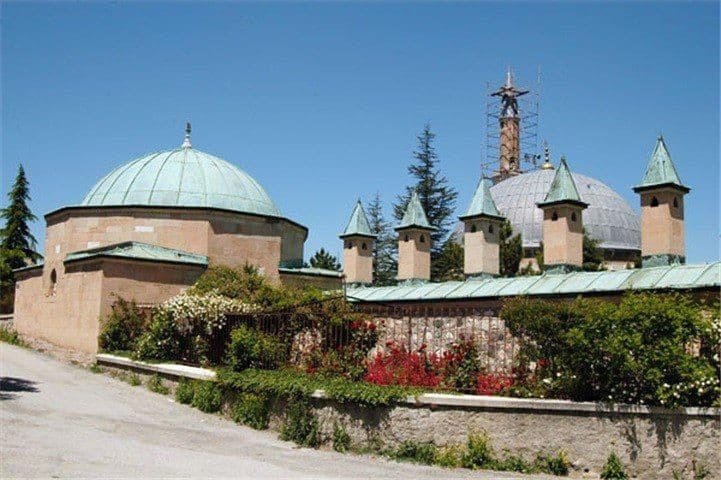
(608, 217)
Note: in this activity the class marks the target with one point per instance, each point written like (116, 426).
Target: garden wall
(653, 443)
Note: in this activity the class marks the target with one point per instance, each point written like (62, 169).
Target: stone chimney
(662, 225)
(414, 243)
(562, 223)
(358, 248)
(482, 224)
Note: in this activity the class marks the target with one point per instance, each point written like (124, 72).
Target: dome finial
(186, 141)
(547, 165)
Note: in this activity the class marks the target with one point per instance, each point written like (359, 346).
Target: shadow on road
(12, 384)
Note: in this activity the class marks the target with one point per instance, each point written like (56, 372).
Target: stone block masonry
(653, 443)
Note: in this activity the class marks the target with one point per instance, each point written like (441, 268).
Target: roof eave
(482, 215)
(654, 186)
(578, 203)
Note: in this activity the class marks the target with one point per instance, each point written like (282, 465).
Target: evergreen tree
(15, 237)
(385, 264)
(449, 263)
(437, 197)
(511, 250)
(323, 259)
(592, 253)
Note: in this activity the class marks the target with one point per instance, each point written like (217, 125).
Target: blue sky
(321, 102)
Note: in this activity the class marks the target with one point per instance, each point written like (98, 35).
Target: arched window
(53, 282)
(554, 217)
(406, 238)
(348, 244)
(423, 238)
(363, 246)
(490, 228)
(473, 228)
(675, 202)
(573, 216)
(654, 202)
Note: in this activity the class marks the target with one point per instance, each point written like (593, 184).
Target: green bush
(207, 396)
(155, 384)
(185, 391)
(160, 342)
(12, 337)
(252, 410)
(449, 456)
(613, 469)
(479, 453)
(122, 327)
(418, 452)
(134, 379)
(250, 348)
(301, 425)
(639, 351)
(554, 464)
(341, 439)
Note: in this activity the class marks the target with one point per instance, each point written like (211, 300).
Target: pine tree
(437, 197)
(449, 264)
(15, 235)
(323, 259)
(384, 247)
(511, 250)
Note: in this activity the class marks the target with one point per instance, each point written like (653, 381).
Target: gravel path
(60, 420)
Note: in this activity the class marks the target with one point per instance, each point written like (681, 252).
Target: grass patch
(301, 425)
(134, 379)
(95, 368)
(185, 392)
(341, 439)
(155, 384)
(417, 452)
(207, 396)
(12, 337)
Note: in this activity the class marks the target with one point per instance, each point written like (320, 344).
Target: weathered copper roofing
(415, 216)
(358, 224)
(660, 170)
(563, 188)
(482, 204)
(576, 283)
(139, 251)
(184, 177)
(317, 272)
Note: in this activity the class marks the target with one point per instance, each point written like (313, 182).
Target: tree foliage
(324, 259)
(17, 243)
(449, 263)
(592, 253)
(437, 197)
(511, 250)
(385, 264)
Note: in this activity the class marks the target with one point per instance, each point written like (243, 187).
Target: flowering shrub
(649, 349)
(492, 384)
(398, 366)
(206, 312)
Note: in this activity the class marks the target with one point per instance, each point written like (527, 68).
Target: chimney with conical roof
(414, 243)
(481, 241)
(358, 248)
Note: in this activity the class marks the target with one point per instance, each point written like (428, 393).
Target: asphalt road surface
(59, 421)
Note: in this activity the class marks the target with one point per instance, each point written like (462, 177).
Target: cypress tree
(436, 195)
(511, 250)
(384, 261)
(16, 240)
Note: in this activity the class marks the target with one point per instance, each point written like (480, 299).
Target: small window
(675, 202)
(53, 282)
(654, 202)
(348, 244)
(554, 217)
(364, 246)
(473, 228)
(406, 238)
(423, 238)
(490, 228)
(573, 216)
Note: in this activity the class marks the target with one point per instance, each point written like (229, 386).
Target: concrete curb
(435, 400)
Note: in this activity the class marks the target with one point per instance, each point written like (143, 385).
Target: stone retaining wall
(652, 443)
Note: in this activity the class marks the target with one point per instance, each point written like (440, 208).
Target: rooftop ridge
(563, 188)
(415, 215)
(482, 203)
(660, 169)
(358, 223)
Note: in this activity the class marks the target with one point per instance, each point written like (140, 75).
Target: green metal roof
(482, 204)
(660, 170)
(358, 224)
(563, 188)
(654, 278)
(184, 177)
(415, 216)
(318, 272)
(139, 251)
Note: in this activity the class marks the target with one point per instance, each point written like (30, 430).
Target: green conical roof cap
(358, 224)
(660, 170)
(563, 188)
(415, 216)
(482, 204)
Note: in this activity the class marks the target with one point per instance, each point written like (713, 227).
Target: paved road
(58, 420)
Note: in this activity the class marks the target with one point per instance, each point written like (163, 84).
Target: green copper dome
(185, 177)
